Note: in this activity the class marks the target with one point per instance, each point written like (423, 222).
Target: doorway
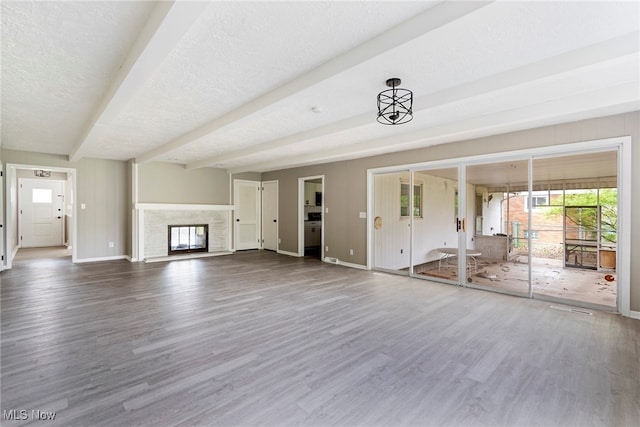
(35, 236)
(311, 217)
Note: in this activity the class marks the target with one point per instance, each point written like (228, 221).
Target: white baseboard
(106, 258)
(331, 260)
(634, 314)
(288, 253)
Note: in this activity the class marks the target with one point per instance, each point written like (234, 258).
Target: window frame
(416, 205)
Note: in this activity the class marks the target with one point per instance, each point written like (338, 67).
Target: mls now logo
(23, 414)
(15, 414)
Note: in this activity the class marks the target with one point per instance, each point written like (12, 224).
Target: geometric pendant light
(395, 104)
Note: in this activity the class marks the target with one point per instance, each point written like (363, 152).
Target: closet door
(246, 197)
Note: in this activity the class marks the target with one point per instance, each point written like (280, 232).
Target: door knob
(237, 219)
(275, 220)
(59, 217)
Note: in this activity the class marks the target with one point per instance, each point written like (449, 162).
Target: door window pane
(42, 195)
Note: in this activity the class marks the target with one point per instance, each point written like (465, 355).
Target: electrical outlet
(111, 244)
(326, 248)
(279, 241)
(83, 206)
(350, 251)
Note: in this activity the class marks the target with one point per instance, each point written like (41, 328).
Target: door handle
(275, 220)
(59, 217)
(237, 219)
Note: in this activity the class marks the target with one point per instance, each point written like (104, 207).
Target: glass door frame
(624, 175)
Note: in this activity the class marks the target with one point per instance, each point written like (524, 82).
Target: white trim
(370, 218)
(345, 264)
(10, 172)
(623, 267)
(288, 253)
(135, 225)
(634, 314)
(182, 207)
(262, 183)
(98, 259)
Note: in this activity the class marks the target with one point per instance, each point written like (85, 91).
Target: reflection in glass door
(392, 232)
(436, 224)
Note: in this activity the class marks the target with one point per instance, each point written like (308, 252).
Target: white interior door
(246, 198)
(41, 204)
(270, 215)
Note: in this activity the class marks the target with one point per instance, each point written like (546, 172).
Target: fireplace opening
(188, 239)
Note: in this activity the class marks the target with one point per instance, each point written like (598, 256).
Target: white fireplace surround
(153, 220)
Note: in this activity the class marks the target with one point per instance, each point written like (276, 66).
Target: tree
(587, 219)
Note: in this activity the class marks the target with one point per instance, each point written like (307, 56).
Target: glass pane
(497, 207)
(200, 238)
(435, 233)
(42, 195)
(574, 252)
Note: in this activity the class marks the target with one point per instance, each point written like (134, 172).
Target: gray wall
(160, 182)
(346, 183)
(102, 187)
(105, 187)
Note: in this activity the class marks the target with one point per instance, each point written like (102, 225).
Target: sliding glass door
(500, 220)
(573, 236)
(533, 226)
(437, 225)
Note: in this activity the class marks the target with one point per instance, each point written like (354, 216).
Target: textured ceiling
(235, 84)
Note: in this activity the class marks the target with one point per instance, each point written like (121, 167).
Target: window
(42, 195)
(534, 234)
(536, 201)
(404, 200)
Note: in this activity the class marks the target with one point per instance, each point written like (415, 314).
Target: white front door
(270, 215)
(246, 198)
(41, 204)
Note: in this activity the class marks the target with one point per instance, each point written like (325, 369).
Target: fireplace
(184, 239)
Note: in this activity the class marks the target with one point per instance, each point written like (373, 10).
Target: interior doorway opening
(43, 210)
(311, 220)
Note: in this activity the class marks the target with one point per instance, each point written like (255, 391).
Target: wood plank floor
(257, 338)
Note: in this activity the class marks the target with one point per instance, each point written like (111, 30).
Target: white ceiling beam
(570, 61)
(615, 100)
(167, 24)
(433, 18)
